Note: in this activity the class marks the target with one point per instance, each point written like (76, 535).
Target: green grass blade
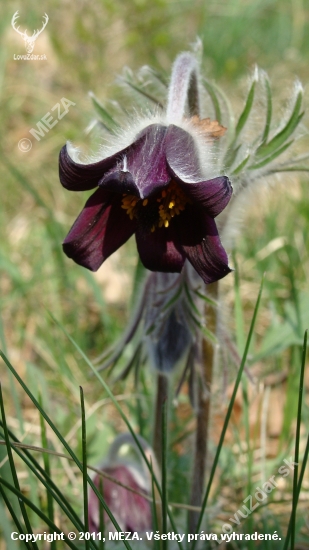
(299, 485)
(291, 528)
(14, 517)
(164, 473)
(84, 452)
(54, 492)
(37, 511)
(50, 486)
(13, 469)
(64, 443)
(101, 518)
(229, 411)
(121, 413)
(50, 502)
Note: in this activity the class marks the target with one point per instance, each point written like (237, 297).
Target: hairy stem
(161, 399)
(183, 89)
(203, 413)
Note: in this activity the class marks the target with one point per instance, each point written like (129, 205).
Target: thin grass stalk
(296, 486)
(38, 512)
(229, 412)
(164, 473)
(84, 453)
(50, 486)
(203, 414)
(64, 443)
(13, 469)
(161, 400)
(13, 515)
(118, 408)
(300, 481)
(50, 501)
(61, 501)
(101, 518)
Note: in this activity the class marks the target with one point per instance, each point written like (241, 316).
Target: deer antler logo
(29, 40)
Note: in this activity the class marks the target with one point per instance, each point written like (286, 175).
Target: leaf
(231, 155)
(266, 149)
(247, 108)
(268, 109)
(143, 93)
(206, 298)
(239, 168)
(271, 157)
(63, 441)
(123, 416)
(214, 99)
(85, 476)
(13, 469)
(108, 121)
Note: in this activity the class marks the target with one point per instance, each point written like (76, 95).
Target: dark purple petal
(82, 177)
(119, 182)
(131, 511)
(100, 229)
(201, 244)
(147, 160)
(182, 155)
(213, 195)
(160, 250)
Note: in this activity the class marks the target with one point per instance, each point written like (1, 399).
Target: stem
(203, 414)
(183, 89)
(161, 401)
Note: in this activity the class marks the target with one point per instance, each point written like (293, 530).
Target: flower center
(160, 210)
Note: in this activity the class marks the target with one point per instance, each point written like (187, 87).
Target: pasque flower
(157, 188)
(132, 511)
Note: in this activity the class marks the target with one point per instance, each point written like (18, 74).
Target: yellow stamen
(171, 203)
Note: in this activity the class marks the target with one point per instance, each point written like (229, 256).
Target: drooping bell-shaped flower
(160, 186)
(130, 508)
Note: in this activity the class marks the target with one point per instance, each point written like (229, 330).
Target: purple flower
(154, 188)
(131, 510)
